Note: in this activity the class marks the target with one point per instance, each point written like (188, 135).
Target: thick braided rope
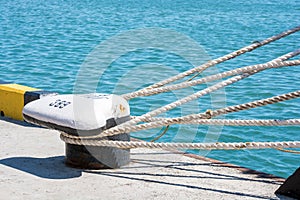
(233, 122)
(159, 122)
(221, 122)
(202, 146)
(255, 104)
(227, 57)
(209, 114)
(249, 122)
(287, 56)
(248, 69)
(189, 118)
(224, 58)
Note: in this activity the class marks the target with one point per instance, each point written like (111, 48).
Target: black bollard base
(93, 157)
(291, 187)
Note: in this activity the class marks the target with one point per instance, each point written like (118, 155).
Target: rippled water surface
(45, 43)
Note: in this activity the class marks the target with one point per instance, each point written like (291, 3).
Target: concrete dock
(32, 167)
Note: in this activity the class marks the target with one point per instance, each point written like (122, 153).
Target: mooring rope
(287, 56)
(248, 69)
(219, 60)
(149, 120)
(258, 103)
(228, 122)
(201, 146)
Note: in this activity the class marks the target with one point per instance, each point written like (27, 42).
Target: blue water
(45, 43)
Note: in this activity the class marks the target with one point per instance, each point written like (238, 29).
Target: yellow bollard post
(13, 97)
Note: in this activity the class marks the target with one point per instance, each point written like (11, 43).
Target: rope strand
(247, 69)
(201, 146)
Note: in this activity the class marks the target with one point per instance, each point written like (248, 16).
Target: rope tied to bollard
(149, 120)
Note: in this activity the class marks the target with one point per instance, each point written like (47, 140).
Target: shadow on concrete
(20, 123)
(182, 167)
(136, 178)
(48, 168)
(136, 173)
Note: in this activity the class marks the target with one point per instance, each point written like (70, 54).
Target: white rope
(159, 122)
(201, 146)
(226, 57)
(229, 122)
(287, 56)
(247, 69)
(258, 103)
(247, 122)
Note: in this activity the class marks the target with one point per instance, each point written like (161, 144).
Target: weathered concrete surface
(32, 167)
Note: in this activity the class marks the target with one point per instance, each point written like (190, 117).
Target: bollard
(84, 115)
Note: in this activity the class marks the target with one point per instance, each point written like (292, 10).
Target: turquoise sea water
(44, 44)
